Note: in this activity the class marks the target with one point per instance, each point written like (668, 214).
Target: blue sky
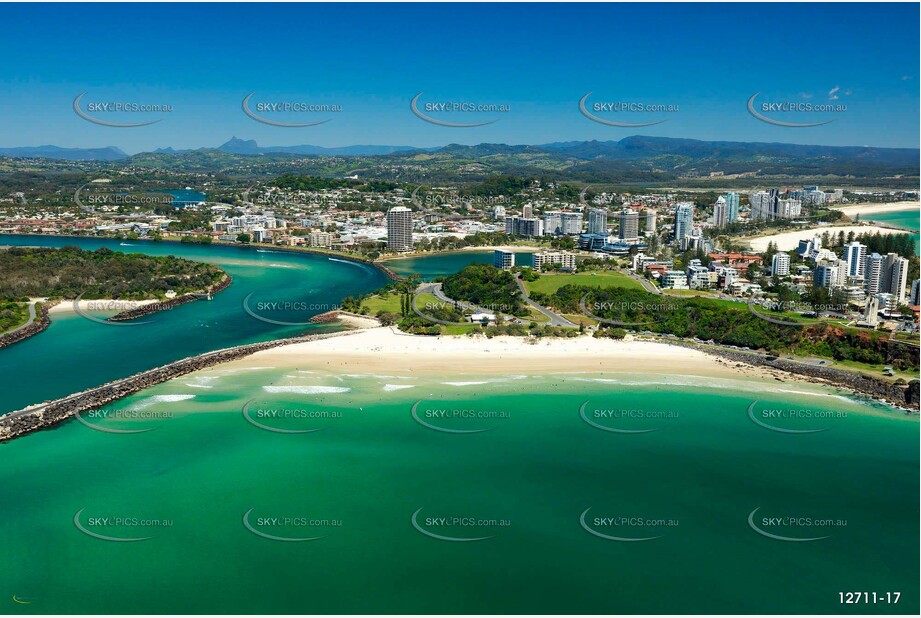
(539, 60)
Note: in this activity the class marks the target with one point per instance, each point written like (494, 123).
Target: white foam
(397, 387)
(306, 390)
(201, 381)
(814, 394)
(155, 399)
(359, 265)
(378, 377)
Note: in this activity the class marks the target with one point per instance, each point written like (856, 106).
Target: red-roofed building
(736, 260)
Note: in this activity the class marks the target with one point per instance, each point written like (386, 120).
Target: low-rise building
(566, 260)
(675, 279)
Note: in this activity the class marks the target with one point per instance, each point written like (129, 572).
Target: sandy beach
(358, 322)
(386, 350)
(790, 240)
(106, 305)
(874, 209)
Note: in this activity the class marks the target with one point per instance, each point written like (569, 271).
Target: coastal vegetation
(729, 323)
(69, 272)
(13, 313)
(486, 286)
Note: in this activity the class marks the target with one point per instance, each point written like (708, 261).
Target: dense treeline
(499, 184)
(708, 319)
(70, 271)
(486, 286)
(313, 183)
(12, 314)
(903, 244)
(379, 186)
(317, 183)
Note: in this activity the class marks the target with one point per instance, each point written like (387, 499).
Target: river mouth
(289, 287)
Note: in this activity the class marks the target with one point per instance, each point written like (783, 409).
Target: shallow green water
(539, 466)
(358, 481)
(907, 219)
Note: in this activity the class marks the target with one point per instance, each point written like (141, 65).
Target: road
(643, 281)
(435, 290)
(555, 318)
(32, 316)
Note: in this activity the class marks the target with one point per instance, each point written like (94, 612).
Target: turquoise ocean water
(391, 493)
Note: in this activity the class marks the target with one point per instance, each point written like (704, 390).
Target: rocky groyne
(49, 414)
(901, 395)
(41, 322)
(330, 317)
(138, 312)
(387, 271)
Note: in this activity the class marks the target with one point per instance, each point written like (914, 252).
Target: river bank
(40, 323)
(156, 306)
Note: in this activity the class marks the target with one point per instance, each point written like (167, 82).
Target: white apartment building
(399, 229)
(720, 212)
(547, 258)
(684, 220)
(320, 239)
(780, 265)
(650, 221)
(674, 279)
(855, 254)
(629, 225)
(597, 221)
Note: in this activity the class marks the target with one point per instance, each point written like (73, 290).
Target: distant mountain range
(636, 159)
(239, 146)
(633, 148)
(108, 153)
(638, 148)
(233, 146)
(250, 147)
